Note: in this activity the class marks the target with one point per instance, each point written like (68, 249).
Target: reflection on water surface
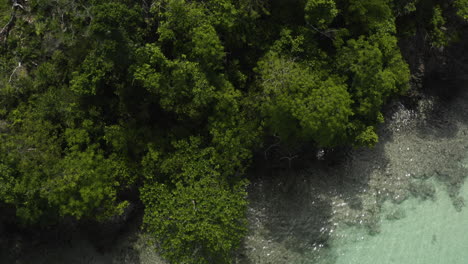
(401, 202)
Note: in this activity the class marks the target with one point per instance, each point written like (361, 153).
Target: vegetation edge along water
(105, 105)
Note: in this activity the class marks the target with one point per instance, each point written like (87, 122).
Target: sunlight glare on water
(401, 202)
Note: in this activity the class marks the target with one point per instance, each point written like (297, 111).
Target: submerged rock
(400, 197)
(423, 190)
(396, 214)
(373, 228)
(458, 203)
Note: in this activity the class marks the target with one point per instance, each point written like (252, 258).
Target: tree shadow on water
(449, 110)
(446, 79)
(293, 218)
(297, 215)
(69, 242)
(298, 207)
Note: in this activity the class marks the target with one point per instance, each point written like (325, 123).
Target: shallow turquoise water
(417, 231)
(425, 232)
(431, 232)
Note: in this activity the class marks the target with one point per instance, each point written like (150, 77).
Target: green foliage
(405, 7)
(44, 181)
(302, 103)
(320, 13)
(30, 152)
(5, 10)
(376, 71)
(87, 185)
(233, 138)
(438, 36)
(92, 76)
(173, 97)
(371, 15)
(462, 6)
(181, 85)
(365, 136)
(196, 215)
(207, 48)
(113, 19)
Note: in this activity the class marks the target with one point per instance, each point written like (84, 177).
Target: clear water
(429, 233)
(416, 231)
(401, 202)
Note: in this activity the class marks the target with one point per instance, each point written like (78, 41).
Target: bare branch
(290, 158)
(14, 71)
(321, 32)
(277, 144)
(9, 25)
(15, 4)
(270, 147)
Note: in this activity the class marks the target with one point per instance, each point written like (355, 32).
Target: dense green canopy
(172, 97)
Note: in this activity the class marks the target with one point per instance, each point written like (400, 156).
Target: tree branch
(14, 71)
(6, 29)
(9, 25)
(321, 32)
(277, 144)
(290, 158)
